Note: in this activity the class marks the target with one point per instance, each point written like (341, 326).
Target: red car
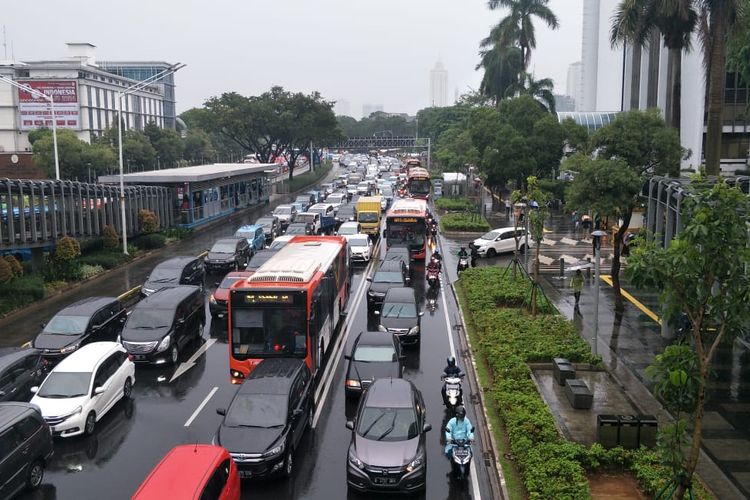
(192, 471)
(217, 303)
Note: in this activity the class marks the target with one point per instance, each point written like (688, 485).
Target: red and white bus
(418, 183)
(406, 225)
(291, 306)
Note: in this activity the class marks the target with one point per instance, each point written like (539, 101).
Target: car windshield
(399, 310)
(335, 198)
(149, 318)
(386, 191)
(229, 281)
(264, 222)
(306, 217)
(388, 424)
(368, 217)
(387, 277)
(375, 353)
(490, 236)
(165, 275)
(224, 247)
(359, 241)
(278, 244)
(245, 234)
(295, 230)
(345, 230)
(282, 210)
(257, 410)
(67, 325)
(65, 385)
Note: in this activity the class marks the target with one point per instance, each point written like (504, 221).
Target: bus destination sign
(269, 298)
(402, 220)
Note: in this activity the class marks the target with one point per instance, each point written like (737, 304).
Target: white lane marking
(186, 365)
(327, 380)
(201, 406)
(472, 471)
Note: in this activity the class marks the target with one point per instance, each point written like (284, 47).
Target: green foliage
(554, 188)
(177, 233)
(6, 273)
(433, 122)
(88, 271)
(738, 51)
(15, 267)
(150, 241)
(21, 292)
(198, 146)
(377, 123)
(105, 259)
(137, 151)
(463, 221)
(491, 287)
(539, 90)
(51, 287)
(111, 239)
(148, 221)
(459, 204)
(676, 377)
(577, 137)
(309, 178)
(67, 249)
(502, 66)
(77, 157)
(608, 187)
(454, 149)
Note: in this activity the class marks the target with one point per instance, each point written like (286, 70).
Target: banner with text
(35, 112)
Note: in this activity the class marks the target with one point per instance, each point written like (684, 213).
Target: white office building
(438, 86)
(368, 109)
(574, 84)
(601, 65)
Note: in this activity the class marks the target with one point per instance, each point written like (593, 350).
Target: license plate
(385, 480)
(245, 474)
(139, 357)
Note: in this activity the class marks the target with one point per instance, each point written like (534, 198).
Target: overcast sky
(362, 52)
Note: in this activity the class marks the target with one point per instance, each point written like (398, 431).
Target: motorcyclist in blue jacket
(459, 427)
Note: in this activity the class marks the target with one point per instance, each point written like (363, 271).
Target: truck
(327, 217)
(368, 214)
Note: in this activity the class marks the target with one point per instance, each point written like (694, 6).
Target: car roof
(390, 265)
(504, 229)
(357, 235)
(271, 376)
(11, 410)
(9, 355)
(283, 206)
(87, 306)
(400, 294)
(229, 240)
(175, 262)
(170, 296)
(269, 216)
(86, 358)
(374, 338)
(321, 206)
(249, 228)
(390, 393)
(181, 473)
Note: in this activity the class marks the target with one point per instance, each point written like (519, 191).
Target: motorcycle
(433, 277)
(453, 394)
(463, 264)
(432, 304)
(461, 454)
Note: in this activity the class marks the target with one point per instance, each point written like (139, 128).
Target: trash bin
(607, 430)
(648, 426)
(628, 431)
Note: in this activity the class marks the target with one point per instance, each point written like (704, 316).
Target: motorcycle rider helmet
(460, 412)
(451, 361)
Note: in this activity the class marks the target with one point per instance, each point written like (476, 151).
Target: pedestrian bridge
(36, 213)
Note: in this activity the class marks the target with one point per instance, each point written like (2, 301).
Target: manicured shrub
(150, 241)
(67, 249)
(111, 240)
(107, 260)
(6, 273)
(459, 204)
(148, 221)
(177, 233)
(464, 221)
(88, 271)
(20, 292)
(15, 267)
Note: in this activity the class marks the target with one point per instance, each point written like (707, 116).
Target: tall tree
(638, 22)
(518, 27)
(502, 66)
(198, 146)
(703, 274)
(78, 159)
(738, 51)
(541, 90)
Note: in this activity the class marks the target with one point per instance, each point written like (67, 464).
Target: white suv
(500, 241)
(79, 391)
(360, 247)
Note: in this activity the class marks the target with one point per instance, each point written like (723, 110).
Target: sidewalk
(629, 342)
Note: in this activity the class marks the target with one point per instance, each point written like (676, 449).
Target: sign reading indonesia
(35, 111)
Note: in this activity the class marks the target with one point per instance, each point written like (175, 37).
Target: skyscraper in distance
(438, 86)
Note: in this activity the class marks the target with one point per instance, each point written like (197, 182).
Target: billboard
(35, 112)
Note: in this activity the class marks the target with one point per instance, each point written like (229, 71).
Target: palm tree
(637, 21)
(501, 68)
(540, 90)
(518, 26)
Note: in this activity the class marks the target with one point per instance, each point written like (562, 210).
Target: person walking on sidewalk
(577, 284)
(507, 208)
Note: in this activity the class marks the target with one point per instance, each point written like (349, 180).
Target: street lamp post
(51, 102)
(129, 90)
(598, 234)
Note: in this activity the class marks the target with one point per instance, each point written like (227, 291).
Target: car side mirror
(42, 325)
(34, 389)
(369, 278)
(427, 428)
(98, 390)
(221, 411)
(350, 425)
(421, 313)
(347, 357)
(376, 312)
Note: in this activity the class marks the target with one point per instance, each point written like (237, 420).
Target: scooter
(433, 278)
(461, 454)
(463, 264)
(432, 305)
(453, 393)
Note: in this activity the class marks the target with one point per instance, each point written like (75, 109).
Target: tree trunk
(716, 76)
(619, 303)
(674, 106)
(695, 445)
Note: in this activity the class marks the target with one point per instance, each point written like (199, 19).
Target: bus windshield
(419, 186)
(265, 331)
(411, 233)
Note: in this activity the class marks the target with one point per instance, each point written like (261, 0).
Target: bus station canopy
(197, 173)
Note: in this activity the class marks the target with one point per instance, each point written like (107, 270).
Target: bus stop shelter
(202, 193)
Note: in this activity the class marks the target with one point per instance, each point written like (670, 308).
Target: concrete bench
(578, 394)
(562, 370)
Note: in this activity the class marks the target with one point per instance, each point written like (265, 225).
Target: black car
(399, 315)
(374, 355)
(400, 254)
(162, 324)
(267, 417)
(271, 227)
(347, 213)
(89, 320)
(21, 368)
(25, 447)
(173, 272)
(260, 258)
(298, 228)
(387, 451)
(390, 274)
(228, 254)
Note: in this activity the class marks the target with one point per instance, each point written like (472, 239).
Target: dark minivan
(25, 447)
(228, 254)
(390, 274)
(94, 319)
(399, 315)
(374, 355)
(267, 417)
(162, 324)
(21, 368)
(173, 272)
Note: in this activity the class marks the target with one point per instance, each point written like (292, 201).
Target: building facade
(601, 65)
(574, 84)
(368, 109)
(85, 97)
(438, 86)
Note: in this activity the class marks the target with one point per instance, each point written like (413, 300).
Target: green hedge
(303, 180)
(464, 221)
(150, 241)
(459, 204)
(21, 292)
(508, 339)
(105, 259)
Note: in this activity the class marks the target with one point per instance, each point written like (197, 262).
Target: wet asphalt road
(162, 413)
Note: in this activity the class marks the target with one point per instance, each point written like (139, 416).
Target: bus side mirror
(385, 233)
